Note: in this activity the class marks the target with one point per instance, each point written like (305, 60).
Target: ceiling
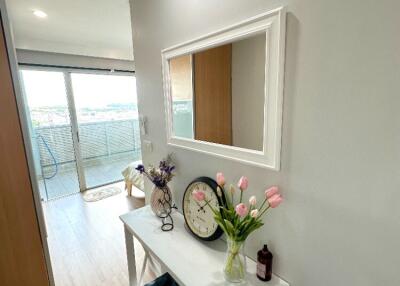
(98, 28)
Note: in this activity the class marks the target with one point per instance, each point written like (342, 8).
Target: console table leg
(143, 269)
(130, 254)
(150, 260)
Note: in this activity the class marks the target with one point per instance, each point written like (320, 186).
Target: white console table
(189, 261)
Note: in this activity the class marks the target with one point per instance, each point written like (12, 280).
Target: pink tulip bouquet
(238, 219)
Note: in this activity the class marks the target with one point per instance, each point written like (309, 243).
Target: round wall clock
(198, 216)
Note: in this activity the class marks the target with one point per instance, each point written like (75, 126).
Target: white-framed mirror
(224, 91)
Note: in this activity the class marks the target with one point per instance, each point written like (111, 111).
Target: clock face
(198, 216)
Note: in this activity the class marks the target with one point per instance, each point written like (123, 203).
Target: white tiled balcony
(66, 182)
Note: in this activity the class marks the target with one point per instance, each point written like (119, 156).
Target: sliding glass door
(50, 128)
(84, 128)
(107, 117)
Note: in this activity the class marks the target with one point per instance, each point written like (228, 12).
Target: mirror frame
(273, 24)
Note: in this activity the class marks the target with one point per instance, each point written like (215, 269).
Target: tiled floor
(86, 240)
(66, 182)
(106, 172)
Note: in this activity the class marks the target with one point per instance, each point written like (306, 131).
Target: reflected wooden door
(22, 260)
(213, 96)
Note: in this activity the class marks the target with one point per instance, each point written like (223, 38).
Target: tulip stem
(208, 204)
(263, 204)
(241, 196)
(228, 201)
(264, 211)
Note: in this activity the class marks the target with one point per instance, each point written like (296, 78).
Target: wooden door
(22, 260)
(213, 96)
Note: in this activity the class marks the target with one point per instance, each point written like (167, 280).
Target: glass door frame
(67, 71)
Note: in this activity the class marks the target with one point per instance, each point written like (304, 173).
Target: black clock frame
(221, 200)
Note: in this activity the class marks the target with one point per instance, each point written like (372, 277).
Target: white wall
(340, 175)
(248, 83)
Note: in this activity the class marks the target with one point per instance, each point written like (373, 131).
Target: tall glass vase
(235, 263)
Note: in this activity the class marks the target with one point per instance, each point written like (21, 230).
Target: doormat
(97, 195)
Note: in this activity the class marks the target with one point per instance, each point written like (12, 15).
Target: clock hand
(201, 208)
(205, 204)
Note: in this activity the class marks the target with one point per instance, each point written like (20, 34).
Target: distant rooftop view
(97, 97)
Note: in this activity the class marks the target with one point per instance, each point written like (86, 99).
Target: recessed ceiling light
(39, 14)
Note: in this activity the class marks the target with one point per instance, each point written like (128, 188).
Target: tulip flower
(219, 192)
(253, 201)
(243, 183)
(241, 209)
(232, 189)
(254, 213)
(271, 191)
(220, 179)
(232, 192)
(198, 195)
(275, 200)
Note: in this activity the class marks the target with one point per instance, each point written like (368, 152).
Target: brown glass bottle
(264, 264)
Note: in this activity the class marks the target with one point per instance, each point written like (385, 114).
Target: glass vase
(161, 200)
(235, 263)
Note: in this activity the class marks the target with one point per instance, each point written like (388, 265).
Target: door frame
(75, 131)
(67, 71)
(12, 57)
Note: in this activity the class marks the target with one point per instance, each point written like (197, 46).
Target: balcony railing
(97, 141)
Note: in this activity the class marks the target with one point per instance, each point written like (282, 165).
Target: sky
(46, 89)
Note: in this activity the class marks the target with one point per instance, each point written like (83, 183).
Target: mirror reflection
(218, 94)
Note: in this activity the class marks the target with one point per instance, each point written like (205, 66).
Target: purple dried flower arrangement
(160, 176)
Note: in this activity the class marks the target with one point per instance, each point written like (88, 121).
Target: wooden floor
(86, 240)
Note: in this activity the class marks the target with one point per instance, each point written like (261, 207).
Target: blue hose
(52, 156)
